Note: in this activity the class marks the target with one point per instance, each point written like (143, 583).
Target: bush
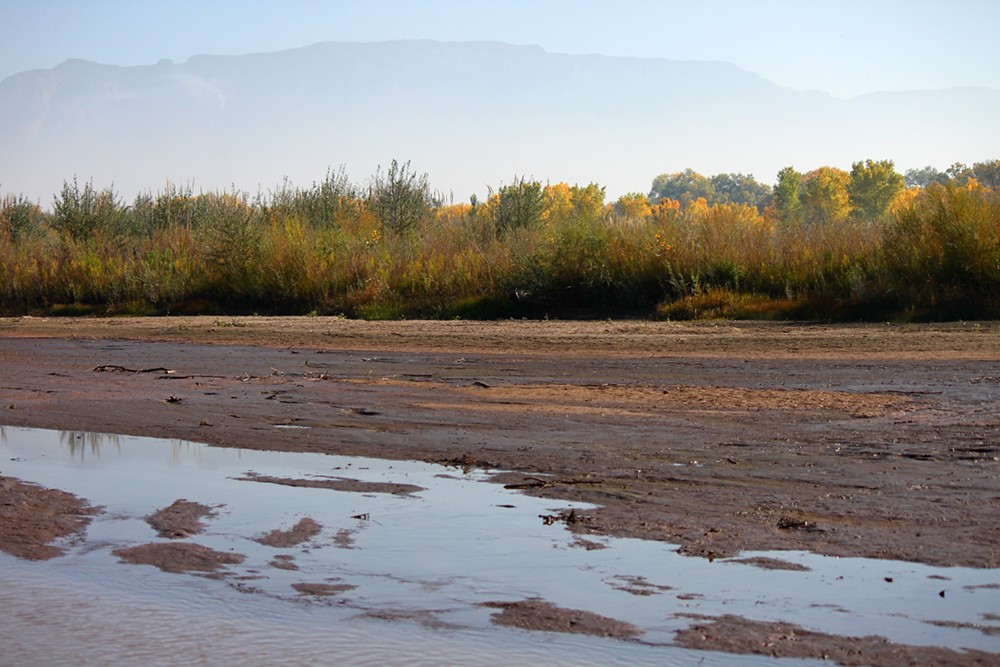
(942, 251)
(83, 213)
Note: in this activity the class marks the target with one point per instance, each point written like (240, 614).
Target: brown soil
(181, 519)
(178, 557)
(31, 517)
(545, 616)
(854, 440)
(782, 640)
(303, 531)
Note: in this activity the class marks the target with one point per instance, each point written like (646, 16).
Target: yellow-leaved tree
(825, 197)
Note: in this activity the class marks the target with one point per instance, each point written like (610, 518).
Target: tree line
(827, 243)
(823, 194)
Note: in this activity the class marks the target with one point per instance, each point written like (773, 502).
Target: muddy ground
(856, 440)
(34, 519)
(868, 440)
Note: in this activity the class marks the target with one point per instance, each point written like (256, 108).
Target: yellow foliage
(588, 201)
(453, 213)
(666, 211)
(564, 202)
(488, 208)
(826, 198)
(558, 202)
(697, 209)
(904, 199)
(634, 205)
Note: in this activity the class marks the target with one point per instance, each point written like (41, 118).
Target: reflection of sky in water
(444, 550)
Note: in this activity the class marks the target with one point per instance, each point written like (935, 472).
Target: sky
(843, 47)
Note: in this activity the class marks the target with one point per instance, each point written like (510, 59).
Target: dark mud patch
(303, 531)
(344, 539)
(771, 564)
(426, 619)
(284, 562)
(545, 616)
(636, 585)
(734, 634)
(986, 629)
(336, 484)
(181, 519)
(322, 590)
(175, 557)
(589, 545)
(32, 516)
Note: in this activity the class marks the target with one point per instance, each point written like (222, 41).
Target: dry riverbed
(855, 440)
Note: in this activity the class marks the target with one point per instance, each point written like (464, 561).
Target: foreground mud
(179, 557)
(541, 615)
(878, 441)
(32, 518)
(783, 640)
(181, 519)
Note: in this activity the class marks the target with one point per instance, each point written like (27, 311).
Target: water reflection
(437, 554)
(82, 442)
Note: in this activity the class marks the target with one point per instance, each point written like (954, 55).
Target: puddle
(404, 558)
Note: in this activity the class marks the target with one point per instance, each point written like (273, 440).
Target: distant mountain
(472, 115)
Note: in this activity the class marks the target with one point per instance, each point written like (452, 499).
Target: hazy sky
(845, 47)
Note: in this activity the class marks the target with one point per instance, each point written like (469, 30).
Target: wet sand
(866, 440)
(32, 518)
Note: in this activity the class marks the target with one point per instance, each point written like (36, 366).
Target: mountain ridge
(471, 114)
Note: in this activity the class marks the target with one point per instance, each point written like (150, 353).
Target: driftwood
(108, 368)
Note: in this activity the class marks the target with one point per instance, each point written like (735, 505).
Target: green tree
(325, 202)
(873, 186)
(788, 196)
(400, 198)
(987, 173)
(959, 173)
(588, 201)
(518, 205)
(684, 186)
(82, 213)
(19, 217)
(740, 189)
(923, 177)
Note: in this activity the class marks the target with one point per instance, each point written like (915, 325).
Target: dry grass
(935, 255)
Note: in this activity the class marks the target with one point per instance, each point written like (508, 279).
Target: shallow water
(426, 560)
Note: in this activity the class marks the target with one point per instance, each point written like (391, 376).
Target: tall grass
(326, 249)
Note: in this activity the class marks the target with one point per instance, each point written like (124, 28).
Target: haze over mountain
(472, 115)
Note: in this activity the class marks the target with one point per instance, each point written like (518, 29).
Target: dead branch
(108, 368)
